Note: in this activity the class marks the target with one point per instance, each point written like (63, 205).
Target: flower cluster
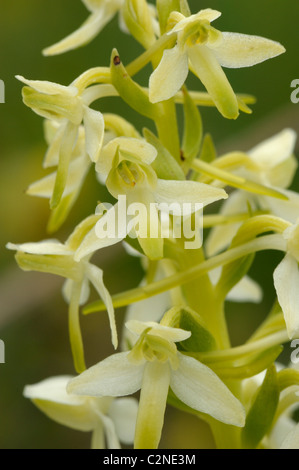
(175, 345)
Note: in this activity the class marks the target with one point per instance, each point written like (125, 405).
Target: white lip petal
(207, 68)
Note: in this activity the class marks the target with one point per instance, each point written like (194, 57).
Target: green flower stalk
(176, 347)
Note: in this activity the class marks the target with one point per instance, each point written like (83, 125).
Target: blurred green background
(33, 318)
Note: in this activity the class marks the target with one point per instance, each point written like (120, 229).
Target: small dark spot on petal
(116, 60)
(182, 155)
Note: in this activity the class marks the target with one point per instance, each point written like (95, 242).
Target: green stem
(167, 128)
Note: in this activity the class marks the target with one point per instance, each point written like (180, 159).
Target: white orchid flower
(101, 13)
(51, 256)
(286, 281)
(110, 420)
(68, 107)
(130, 178)
(206, 50)
(154, 365)
(274, 165)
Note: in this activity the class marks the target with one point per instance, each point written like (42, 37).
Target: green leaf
(262, 411)
(165, 165)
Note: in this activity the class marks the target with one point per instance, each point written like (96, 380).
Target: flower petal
(114, 376)
(50, 396)
(246, 290)
(201, 389)
(209, 71)
(65, 152)
(94, 132)
(137, 148)
(83, 35)
(67, 291)
(152, 404)
(187, 192)
(45, 186)
(221, 236)
(287, 210)
(103, 234)
(292, 439)
(274, 150)
(49, 88)
(151, 309)
(123, 412)
(45, 247)
(207, 14)
(110, 431)
(52, 154)
(98, 438)
(283, 426)
(242, 50)
(169, 76)
(95, 275)
(75, 329)
(167, 332)
(286, 282)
